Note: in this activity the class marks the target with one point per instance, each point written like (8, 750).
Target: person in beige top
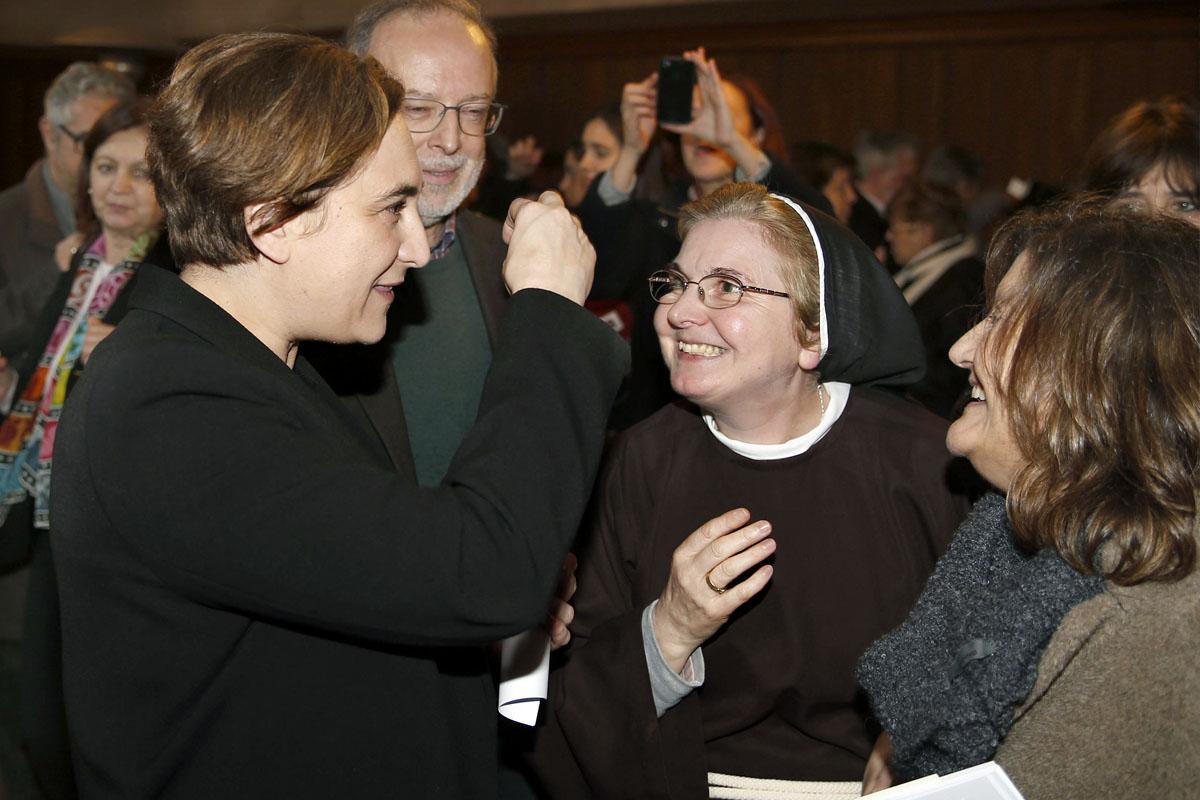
(1123, 663)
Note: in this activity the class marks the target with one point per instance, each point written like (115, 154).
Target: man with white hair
(883, 159)
(441, 327)
(419, 388)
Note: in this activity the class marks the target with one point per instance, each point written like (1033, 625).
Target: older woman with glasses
(734, 134)
(748, 544)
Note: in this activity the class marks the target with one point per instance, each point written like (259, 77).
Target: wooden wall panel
(1026, 91)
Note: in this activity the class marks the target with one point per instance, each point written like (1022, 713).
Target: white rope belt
(737, 787)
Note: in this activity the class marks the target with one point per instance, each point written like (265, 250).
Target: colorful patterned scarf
(27, 434)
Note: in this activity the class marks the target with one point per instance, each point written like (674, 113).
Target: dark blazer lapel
(362, 377)
(485, 250)
(383, 411)
(359, 425)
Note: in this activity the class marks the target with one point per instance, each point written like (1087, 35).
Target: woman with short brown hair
(255, 602)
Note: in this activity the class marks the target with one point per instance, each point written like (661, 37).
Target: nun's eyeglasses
(716, 290)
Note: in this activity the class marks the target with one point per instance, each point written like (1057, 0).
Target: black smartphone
(676, 77)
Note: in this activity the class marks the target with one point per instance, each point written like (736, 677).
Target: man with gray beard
(442, 325)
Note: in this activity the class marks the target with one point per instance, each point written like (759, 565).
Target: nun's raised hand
(698, 598)
(547, 249)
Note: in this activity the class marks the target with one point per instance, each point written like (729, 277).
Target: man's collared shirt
(439, 249)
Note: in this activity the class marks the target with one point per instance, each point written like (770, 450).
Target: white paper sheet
(524, 675)
(987, 781)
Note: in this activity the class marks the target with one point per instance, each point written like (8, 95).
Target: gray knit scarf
(946, 682)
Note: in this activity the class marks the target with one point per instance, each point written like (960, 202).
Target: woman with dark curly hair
(1059, 634)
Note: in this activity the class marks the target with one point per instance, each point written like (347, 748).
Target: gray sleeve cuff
(667, 685)
(610, 194)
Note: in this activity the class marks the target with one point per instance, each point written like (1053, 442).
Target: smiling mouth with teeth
(700, 349)
(977, 394)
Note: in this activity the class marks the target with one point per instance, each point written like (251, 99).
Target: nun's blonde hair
(784, 231)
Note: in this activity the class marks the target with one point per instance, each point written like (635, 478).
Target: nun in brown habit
(749, 542)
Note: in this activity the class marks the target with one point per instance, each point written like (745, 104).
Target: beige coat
(1115, 711)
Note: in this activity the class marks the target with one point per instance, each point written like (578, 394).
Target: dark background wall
(1026, 89)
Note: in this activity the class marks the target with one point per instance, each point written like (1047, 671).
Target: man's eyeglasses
(716, 291)
(474, 119)
(77, 138)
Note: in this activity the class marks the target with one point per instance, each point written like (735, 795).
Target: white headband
(812, 229)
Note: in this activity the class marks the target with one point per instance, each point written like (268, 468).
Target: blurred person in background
(38, 212)
(829, 170)
(121, 225)
(941, 275)
(883, 159)
(959, 170)
(601, 141)
(1148, 157)
(593, 154)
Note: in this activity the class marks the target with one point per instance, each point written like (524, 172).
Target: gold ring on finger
(708, 580)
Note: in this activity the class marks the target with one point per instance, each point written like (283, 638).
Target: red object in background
(614, 313)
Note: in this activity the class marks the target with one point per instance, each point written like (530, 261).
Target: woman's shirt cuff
(667, 685)
(609, 193)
